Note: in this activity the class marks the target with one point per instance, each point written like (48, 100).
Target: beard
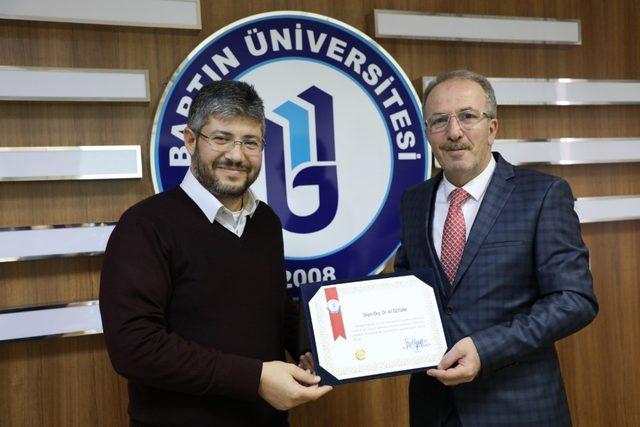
(205, 174)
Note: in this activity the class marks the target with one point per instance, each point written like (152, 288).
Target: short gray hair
(492, 105)
(225, 99)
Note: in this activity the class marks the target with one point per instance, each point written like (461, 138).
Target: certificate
(373, 327)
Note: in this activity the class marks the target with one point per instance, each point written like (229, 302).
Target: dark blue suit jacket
(523, 283)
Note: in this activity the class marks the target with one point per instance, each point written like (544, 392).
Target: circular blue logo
(344, 134)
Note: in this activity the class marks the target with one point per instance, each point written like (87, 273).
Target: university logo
(315, 169)
(344, 136)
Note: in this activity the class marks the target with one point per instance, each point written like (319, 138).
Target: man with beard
(513, 270)
(193, 298)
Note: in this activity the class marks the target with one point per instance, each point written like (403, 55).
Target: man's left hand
(459, 365)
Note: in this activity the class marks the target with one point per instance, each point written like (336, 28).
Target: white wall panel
(143, 13)
(569, 151)
(501, 29)
(513, 91)
(70, 163)
(608, 208)
(73, 84)
(36, 242)
(80, 318)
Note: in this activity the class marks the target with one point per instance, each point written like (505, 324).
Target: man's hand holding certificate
(373, 327)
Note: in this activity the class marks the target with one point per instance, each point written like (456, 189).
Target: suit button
(448, 310)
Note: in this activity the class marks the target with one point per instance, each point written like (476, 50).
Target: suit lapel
(496, 196)
(425, 207)
(427, 256)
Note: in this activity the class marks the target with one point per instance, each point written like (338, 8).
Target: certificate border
(308, 291)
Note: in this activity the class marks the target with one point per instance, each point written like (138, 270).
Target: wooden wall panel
(69, 382)
(598, 363)
(60, 383)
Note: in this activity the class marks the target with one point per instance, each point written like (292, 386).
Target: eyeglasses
(249, 146)
(467, 119)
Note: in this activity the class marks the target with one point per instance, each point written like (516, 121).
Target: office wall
(69, 381)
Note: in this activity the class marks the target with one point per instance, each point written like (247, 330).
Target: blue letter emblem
(307, 168)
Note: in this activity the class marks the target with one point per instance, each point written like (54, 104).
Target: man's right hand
(284, 385)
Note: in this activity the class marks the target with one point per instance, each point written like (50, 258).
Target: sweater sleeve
(135, 291)
(293, 326)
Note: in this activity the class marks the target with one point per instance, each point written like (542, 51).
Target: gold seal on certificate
(375, 327)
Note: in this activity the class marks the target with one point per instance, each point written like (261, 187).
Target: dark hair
(225, 99)
(492, 106)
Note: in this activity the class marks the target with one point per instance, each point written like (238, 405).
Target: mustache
(228, 163)
(455, 145)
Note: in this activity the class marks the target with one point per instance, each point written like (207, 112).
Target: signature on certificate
(415, 344)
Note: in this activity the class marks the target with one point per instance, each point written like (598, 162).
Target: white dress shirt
(476, 188)
(235, 222)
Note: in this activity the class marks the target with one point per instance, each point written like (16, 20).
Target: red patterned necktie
(454, 235)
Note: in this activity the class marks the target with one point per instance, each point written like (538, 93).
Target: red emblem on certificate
(335, 315)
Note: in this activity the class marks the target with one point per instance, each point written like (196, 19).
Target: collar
(477, 186)
(208, 203)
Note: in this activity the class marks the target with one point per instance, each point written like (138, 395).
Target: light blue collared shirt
(235, 222)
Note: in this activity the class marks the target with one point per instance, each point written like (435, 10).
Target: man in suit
(512, 270)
